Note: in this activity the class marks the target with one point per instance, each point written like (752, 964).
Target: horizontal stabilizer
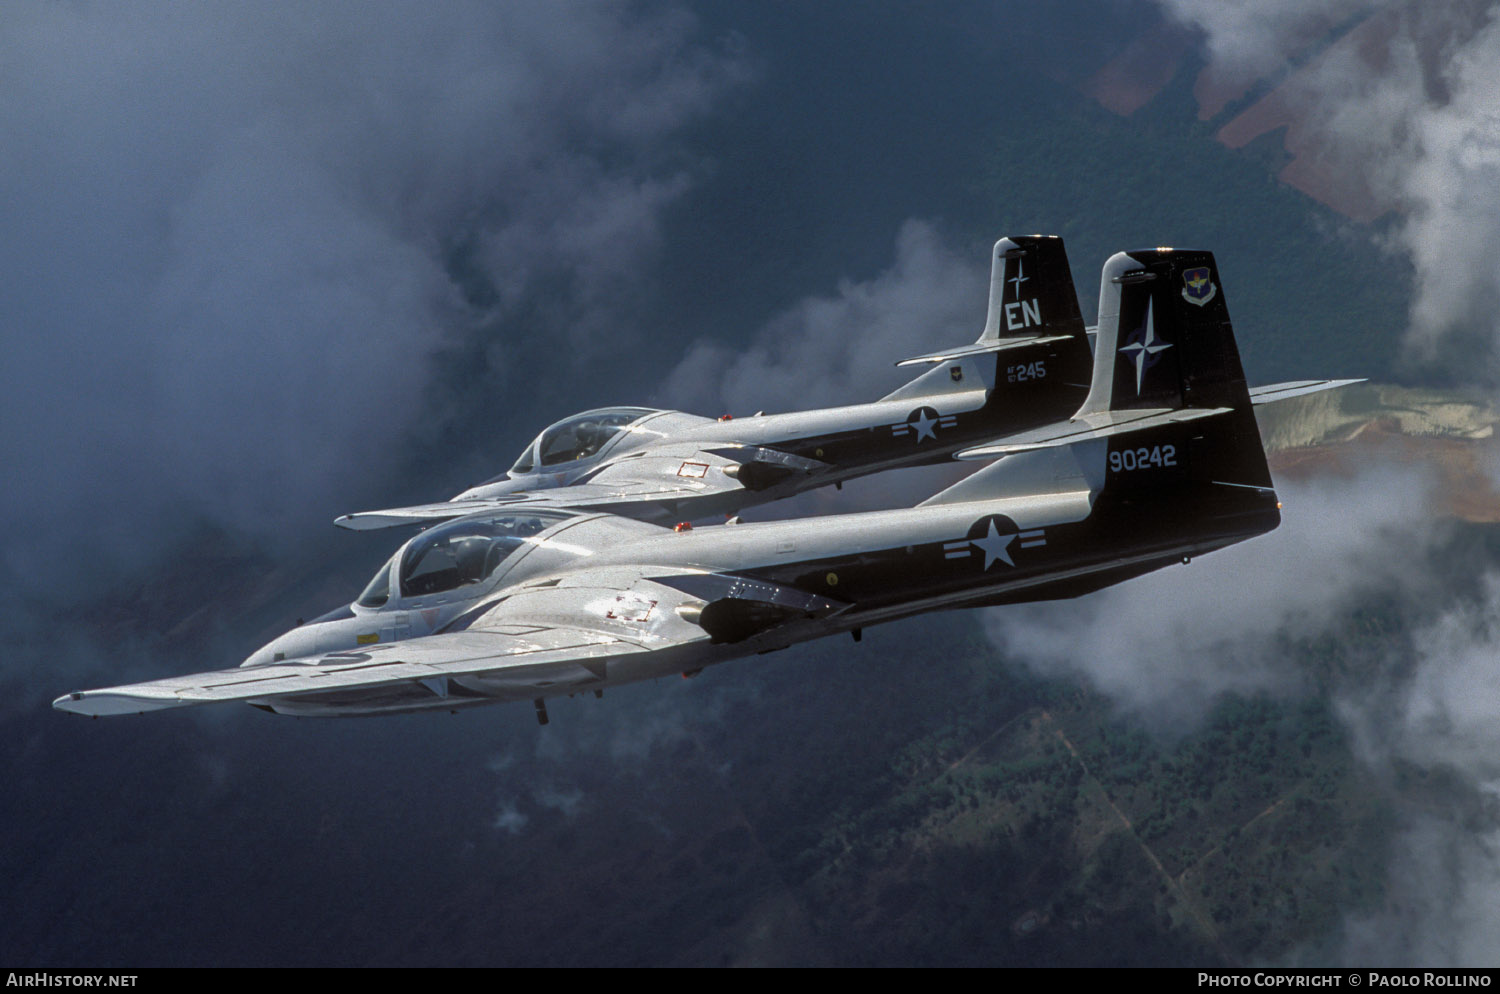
(982, 347)
(1273, 392)
(1099, 425)
(1068, 474)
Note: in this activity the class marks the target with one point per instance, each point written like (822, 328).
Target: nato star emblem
(1143, 349)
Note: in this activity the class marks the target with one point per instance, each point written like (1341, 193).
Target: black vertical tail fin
(1165, 343)
(1033, 338)
(1164, 339)
(1031, 290)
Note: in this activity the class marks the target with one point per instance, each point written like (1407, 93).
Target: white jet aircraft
(1030, 367)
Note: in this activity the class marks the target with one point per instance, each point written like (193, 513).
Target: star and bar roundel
(923, 423)
(993, 539)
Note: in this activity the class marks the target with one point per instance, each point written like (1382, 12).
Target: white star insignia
(995, 546)
(924, 426)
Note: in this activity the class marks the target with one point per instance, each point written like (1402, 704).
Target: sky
(266, 265)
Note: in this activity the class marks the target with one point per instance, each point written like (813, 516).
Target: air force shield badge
(1197, 288)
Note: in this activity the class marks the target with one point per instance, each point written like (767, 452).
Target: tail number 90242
(1156, 456)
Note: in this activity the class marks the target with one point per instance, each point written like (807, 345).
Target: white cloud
(1168, 644)
(1435, 720)
(840, 348)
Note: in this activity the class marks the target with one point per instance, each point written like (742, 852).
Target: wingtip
(93, 703)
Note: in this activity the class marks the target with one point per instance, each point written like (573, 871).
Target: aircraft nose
(337, 631)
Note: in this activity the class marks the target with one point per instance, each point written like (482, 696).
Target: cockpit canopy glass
(577, 437)
(467, 551)
(379, 590)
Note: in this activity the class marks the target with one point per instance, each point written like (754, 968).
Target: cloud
(1398, 97)
(508, 818)
(1435, 717)
(1404, 105)
(235, 235)
(1442, 899)
(1246, 42)
(840, 347)
(1169, 644)
(566, 801)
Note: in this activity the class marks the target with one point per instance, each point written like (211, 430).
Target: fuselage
(956, 404)
(693, 598)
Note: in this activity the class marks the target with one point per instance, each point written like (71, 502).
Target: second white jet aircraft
(1030, 367)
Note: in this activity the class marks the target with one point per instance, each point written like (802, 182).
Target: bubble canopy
(576, 438)
(461, 553)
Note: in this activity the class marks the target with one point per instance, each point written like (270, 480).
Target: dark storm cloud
(229, 228)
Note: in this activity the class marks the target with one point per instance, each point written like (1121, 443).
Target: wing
(676, 484)
(631, 498)
(422, 666)
(582, 631)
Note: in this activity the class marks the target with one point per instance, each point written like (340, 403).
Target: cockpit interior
(460, 553)
(579, 437)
